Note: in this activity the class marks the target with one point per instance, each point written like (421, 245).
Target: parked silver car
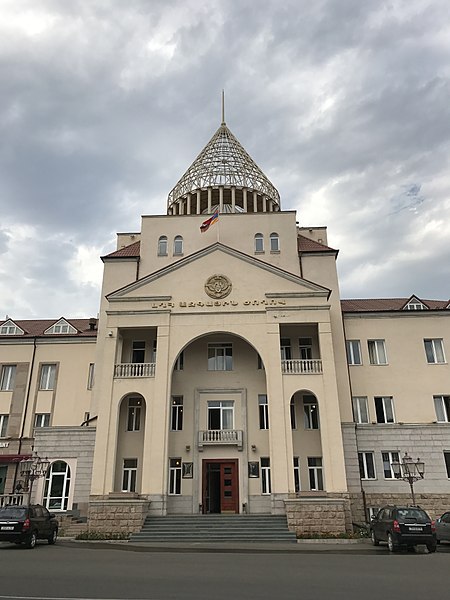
(443, 528)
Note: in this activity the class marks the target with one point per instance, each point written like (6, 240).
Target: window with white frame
(134, 414)
(8, 378)
(178, 245)
(297, 482)
(354, 352)
(129, 475)
(293, 415)
(305, 348)
(442, 407)
(274, 242)
(388, 458)
(47, 378)
(377, 352)
(259, 242)
(176, 417)
(138, 351)
(220, 414)
(90, 381)
(220, 357)
(10, 328)
(57, 486)
(266, 484)
(415, 304)
(384, 409)
(311, 412)
(315, 473)
(174, 476)
(162, 246)
(434, 350)
(42, 419)
(447, 463)
(61, 327)
(263, 411)
(366, 465)
(285, 349)
(179, 363)
(3, 425)
(360, 409)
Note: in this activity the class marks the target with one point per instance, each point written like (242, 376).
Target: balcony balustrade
(14, 499)
(220, 437)
(297, 366)
(127, 370)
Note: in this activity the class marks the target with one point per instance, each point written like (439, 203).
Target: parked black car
(26, 524)
(403, 526)
(443, 528)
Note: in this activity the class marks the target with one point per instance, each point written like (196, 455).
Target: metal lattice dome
(223, 163)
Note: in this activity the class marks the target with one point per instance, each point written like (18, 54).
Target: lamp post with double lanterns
(409, 470)
(31, 469)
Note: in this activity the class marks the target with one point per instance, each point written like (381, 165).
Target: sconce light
(253, 448)
(110, 333)
(188, 448)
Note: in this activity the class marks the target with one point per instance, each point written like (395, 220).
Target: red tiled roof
(131, 251)
(36, 327)
(305, 244)
(387, 304)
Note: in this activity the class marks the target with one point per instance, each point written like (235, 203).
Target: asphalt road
(92, 572)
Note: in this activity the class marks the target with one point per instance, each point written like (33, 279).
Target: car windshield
(411, 514)
(13, 512)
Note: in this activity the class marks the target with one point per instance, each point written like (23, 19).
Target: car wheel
(431, 548)
(390, 540)
(52, 538)
(375, 541)
(31, 542)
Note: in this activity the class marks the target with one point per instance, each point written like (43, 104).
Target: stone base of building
(434, 504)
(311, 514)
(117, 513)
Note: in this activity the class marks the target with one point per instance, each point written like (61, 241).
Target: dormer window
(259, 242)
(274, 242)
(61, 327)
(10, 328)
(415, 304)
(178, 245)
(162, 246)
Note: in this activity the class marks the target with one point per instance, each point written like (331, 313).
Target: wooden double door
(220, 486)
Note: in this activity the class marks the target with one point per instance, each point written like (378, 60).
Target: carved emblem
(218, 286)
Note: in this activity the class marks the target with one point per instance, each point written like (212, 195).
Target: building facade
(230, 377)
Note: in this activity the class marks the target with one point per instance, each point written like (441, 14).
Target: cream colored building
(229, 375)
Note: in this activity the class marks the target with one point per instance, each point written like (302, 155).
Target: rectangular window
(377, 352)
(366, 465)
(220, 414)
(266, 485)
(434, 350)
(3, 425)
(447, 463)
(220, 357)
(47, 380)
(134, 414)
(360, 409)
(174, 476)
(311, 412)
(305, 348)
(315, 473)
(90, 381)
(260, 364)
(176, 421)
(138, 352)
(297, 474)
(8, 378)
(179, 363)
(263, 411)
(129, 475)
(442, 407)
(154, 349)
(285, 349)
(354, 352)
(388, 459)
(384, 408)
(42, 419)
(293, 415)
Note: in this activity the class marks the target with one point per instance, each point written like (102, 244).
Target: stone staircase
(71, 526)
(215, 528)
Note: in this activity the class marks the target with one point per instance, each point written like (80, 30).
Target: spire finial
(223, 107)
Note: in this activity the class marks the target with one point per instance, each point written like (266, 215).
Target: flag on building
(212, 219)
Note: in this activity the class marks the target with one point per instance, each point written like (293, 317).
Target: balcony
(134, 370)
(220, 437)
(297, 366)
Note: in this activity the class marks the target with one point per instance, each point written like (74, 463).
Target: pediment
(250, 278)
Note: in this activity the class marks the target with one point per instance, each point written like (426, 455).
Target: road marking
(67, 598)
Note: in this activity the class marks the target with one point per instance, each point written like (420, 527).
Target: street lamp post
(409, 470)
(31, 469)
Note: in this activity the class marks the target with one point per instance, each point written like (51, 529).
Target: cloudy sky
(344, 104)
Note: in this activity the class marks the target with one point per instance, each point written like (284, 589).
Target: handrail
(297, 366)
(123, 370)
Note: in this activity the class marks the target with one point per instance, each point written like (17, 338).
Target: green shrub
(103, 535)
